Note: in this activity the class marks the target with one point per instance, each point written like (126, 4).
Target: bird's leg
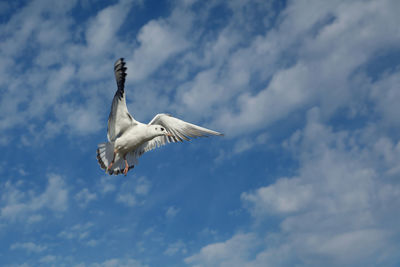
(112, 162)
(126, 166)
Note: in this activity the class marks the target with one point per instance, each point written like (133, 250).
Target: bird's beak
(169, 134)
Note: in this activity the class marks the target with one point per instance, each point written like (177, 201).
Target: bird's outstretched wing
(179, 130)
(119, 119)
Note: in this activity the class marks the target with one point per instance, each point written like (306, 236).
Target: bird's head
(158, 130)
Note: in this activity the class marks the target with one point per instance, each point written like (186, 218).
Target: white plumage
(128, 139)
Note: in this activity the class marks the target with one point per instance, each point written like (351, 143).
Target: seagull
(128, 138)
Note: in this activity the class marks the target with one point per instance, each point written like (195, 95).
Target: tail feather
(105, 153)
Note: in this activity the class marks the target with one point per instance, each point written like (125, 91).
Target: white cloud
(133, 192)
(92, 243)
(18, 204)
(35, 218)
(142, 186)
(287, 91)
(223, 68)
(107, 184)
(386, 94)
(78, 231)
(28, 246)
(118, 263)
(323, 60)
(53, 91)
(53, 70)
(174, 248)
(331, 212)
(233, 252)
(245, 144)
(79, 119)
(171, 212)
(83, 197)
(390, 151)
(158, 41)
(102, 30)
(279, 198)
(48, 259)
(28, 23)
(56, 194)
(128, 199)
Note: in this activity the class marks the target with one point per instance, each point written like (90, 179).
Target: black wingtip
(120, 74)
(119, 61)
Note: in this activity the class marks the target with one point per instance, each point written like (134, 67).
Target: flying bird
(128, 139)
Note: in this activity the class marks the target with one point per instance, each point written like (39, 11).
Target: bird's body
(132, 138)
(129, 139)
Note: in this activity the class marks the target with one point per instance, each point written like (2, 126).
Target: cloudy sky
(306, 92)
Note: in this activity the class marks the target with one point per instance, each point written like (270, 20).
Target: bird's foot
(112, 162)
(126, 166)
(109, 167)
(126, 170)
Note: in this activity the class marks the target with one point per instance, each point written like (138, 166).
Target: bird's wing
(179, 129)
(119, 119)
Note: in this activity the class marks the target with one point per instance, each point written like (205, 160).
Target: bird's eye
(162, 129)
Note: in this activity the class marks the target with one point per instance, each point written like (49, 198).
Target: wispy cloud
(107, 184)
(174, 248)
(133, 192)
(84, 196)
(29, 247)
(17, 204)
(118, 262)
(59, 68)
(48, 259)
(171, 212)
(79, 232)
(233, 252)
(158, 40)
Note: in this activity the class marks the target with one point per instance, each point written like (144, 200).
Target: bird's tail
(105, 154)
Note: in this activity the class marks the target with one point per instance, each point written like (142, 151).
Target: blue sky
(306, 92)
